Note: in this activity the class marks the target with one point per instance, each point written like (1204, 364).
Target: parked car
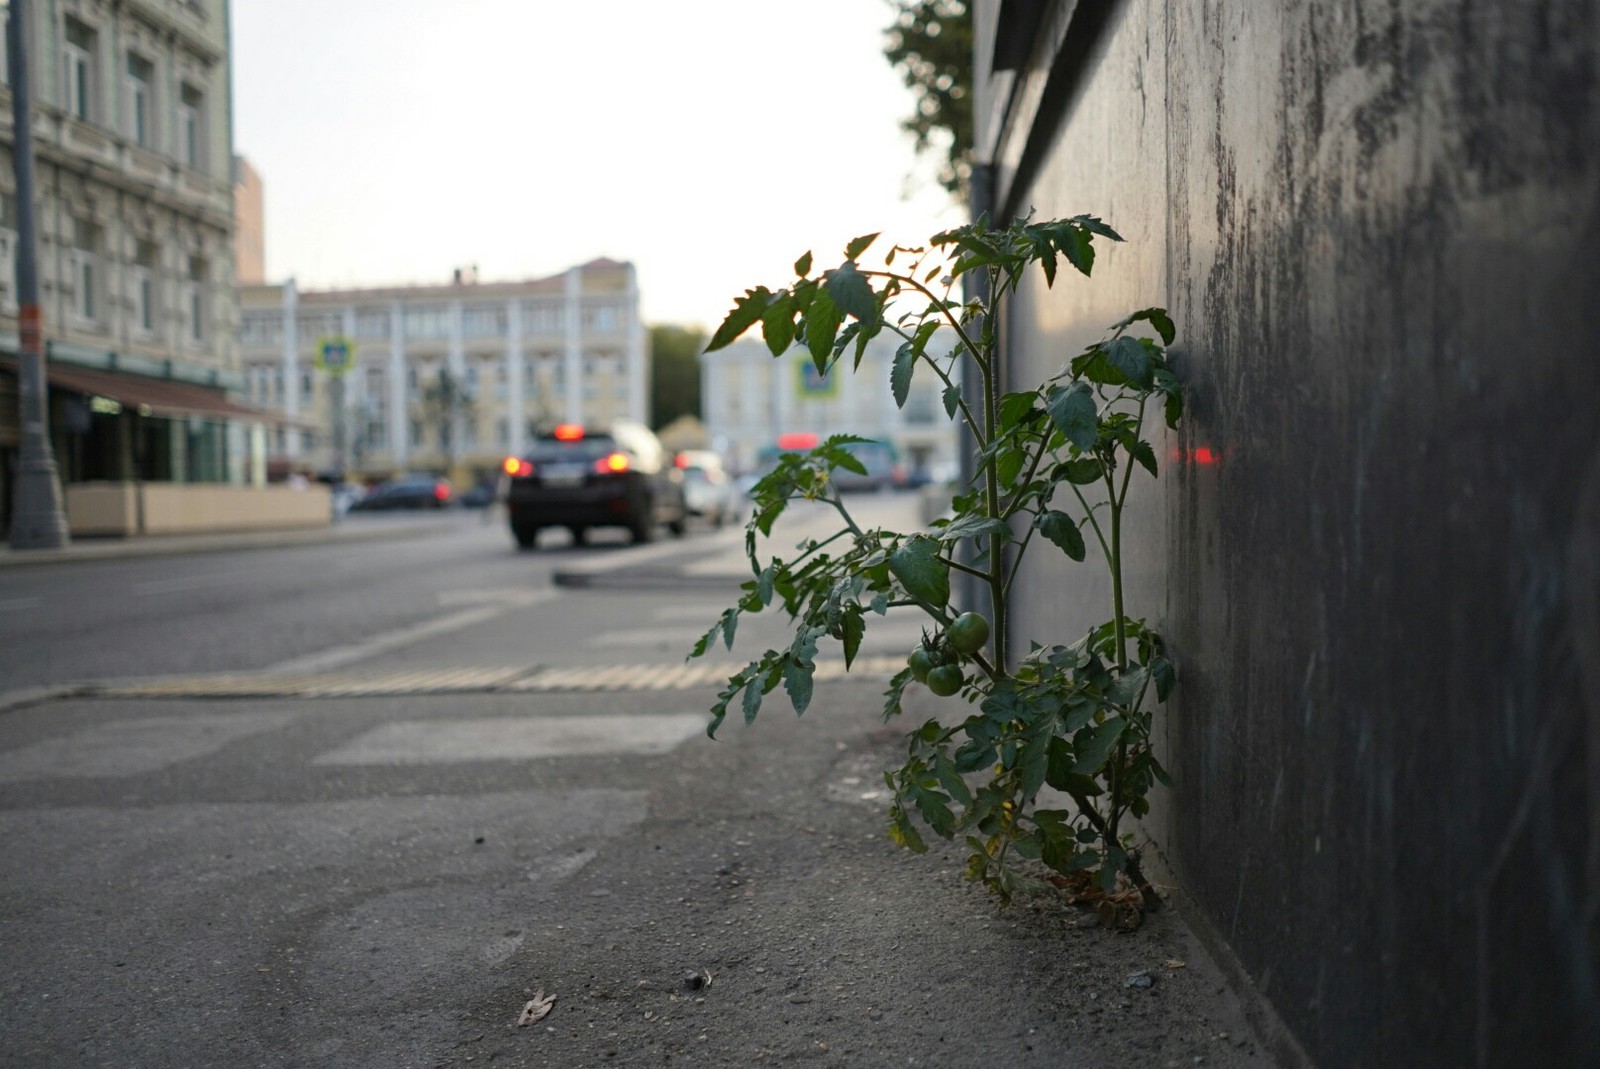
(708, 490)
(343, 495)
(882, 462)
(581, 477)
(407, 492)
(480, 496)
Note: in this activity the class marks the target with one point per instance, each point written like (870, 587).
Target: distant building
(134, 216)
(249, 225)
(567, 348)
(751, 399)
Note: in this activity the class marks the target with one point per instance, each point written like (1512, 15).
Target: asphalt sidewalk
(756, 913)
(189, 898)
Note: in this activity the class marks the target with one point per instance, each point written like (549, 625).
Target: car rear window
(591, 447)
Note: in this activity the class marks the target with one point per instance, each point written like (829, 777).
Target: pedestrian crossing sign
(335, 355)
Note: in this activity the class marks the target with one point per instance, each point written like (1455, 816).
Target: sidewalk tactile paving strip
(514, 680)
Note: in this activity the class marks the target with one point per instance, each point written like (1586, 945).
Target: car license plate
(563, 474)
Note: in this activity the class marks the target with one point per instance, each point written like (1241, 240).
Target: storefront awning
(166, 398)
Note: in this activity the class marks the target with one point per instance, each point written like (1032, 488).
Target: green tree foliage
(675, 373)
(930, 44)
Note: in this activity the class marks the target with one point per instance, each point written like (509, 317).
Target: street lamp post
(37, 521)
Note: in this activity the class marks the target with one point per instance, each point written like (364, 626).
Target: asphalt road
(357, 805)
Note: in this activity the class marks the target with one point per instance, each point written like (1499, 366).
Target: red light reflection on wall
(1201, 456)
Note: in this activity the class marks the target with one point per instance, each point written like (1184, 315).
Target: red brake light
(681, 461)
(516, 467)
(795, 441)
(613, 463)
(441, 491)
(569, 432)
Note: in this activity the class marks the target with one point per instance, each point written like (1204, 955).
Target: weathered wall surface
(1376, 225)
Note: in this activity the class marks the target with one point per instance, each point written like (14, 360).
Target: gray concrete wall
(1376, 227)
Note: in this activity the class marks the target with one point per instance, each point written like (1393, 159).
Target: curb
(183, 545)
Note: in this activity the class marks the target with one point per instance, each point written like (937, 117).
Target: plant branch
(961, 335)
(958, 566)
(1022, 547)
(1099, 536)
(1033, 469)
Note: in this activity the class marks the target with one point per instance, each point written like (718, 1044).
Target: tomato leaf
(1072, 410)
(917, 565)
(1060, 528)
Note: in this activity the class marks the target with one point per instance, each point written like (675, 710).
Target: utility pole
(37, 520)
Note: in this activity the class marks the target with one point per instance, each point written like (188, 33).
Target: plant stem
(955, 324)
(1118, 501)
(991, 479)
(838, 506)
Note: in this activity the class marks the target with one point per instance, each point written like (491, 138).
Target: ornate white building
(567, 348)
(133, 211)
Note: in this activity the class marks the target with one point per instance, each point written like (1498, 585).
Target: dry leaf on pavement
(536, 1009)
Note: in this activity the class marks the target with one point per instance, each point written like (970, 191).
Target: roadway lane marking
(405, 636)
(116, 748)
(18, 604)
(515, 738)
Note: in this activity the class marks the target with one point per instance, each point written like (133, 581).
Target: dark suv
(581, 477)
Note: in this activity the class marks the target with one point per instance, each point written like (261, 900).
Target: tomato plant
(1053, 464)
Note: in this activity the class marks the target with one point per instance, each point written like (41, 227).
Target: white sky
(711, 142)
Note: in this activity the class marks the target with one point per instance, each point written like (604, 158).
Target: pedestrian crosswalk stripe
(501, 680)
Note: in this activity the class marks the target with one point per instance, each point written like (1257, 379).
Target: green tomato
(921, 662)
(968, 633)
(945, 680)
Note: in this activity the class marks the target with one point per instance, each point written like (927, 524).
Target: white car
(708, 490)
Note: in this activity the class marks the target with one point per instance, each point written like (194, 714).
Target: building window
(376, 433)
(427, 321)
(315, 327)
(145, 257)
(198, 270)
(141, 100)
(85, 268)
(544, 318)
(77, 70)
(191, 126)
(261, 328)
(372, 324)
(8, 253)
(600, 317)
(484, 322)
